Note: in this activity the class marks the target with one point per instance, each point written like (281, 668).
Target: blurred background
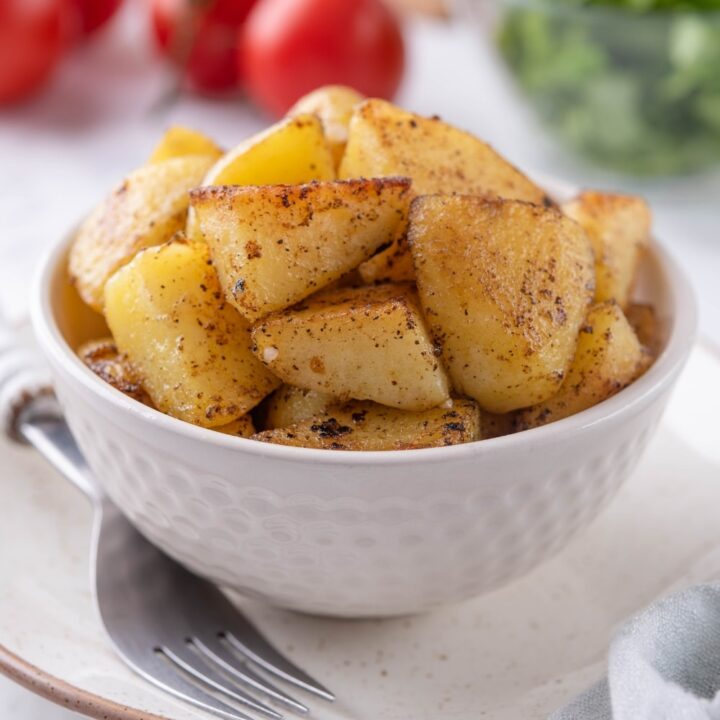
(613, 94)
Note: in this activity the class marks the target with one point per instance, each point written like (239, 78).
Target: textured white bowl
(349, 533)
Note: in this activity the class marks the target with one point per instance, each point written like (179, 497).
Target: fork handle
(30, 412)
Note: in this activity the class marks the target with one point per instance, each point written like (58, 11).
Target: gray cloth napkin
(663, 664)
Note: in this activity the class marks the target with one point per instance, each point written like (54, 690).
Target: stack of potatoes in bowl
(359, 277)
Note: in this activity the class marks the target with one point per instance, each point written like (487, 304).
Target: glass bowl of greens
(631, 84)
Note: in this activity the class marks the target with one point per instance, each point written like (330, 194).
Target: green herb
(638, 91)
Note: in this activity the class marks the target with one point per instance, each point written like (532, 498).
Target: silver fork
(170, 626)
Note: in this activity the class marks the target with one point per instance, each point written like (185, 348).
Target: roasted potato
(334, 105)
(361, 343)
(146, 209)
(180, 141)
(104, 359)
(439, 158)
(167, 314)
(369, 426)
(644, 321)
(619, 229)
(292, 151)
(609, 357)
(242, 427)
(493, 425)
(275, 245)
(289, 405)
(505, 286)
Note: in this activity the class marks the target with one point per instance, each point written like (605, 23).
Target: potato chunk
(292, 151)
(368, 426)
(505, 286)
(608, 358)
(439, 158)
(646, 324)
(334, 105)
(290, 405)
(191, 348)
(619, 229)
(104, 359)
(242, 427)
(180, 141)
(275, 245)
(145, 210)
(361, 343)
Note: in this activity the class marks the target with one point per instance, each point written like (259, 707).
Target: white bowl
(351, 533)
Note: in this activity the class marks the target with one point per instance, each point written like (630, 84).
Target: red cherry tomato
(201, 36)
(33, 36)
(95, 13)
(290, 47)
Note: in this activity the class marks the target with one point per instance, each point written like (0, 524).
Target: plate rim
(39, 682)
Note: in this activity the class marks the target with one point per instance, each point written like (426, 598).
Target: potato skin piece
(609, 357)
(290, 405)
(146, 209)
(275, 245)
(505, 286)
(619, 228)
(360, 343)
(369, 426)
(104, 359)
(385, 140)
(191, 348)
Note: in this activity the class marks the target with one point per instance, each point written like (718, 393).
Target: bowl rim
(662, 372)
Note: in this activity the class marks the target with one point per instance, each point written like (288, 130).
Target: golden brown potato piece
(103, 358)
(274, 245)
(145, 210)
(368, 426)
(439, 158)
(180, 141)
(608, 358)
(645, 323)
(334, 105)
(360, 343)
(242, 427)
(191, 348)
(505, 286)
(293, 150)
(493, 425)
(290, 405)
(619, 229)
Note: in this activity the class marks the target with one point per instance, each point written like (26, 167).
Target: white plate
(518, 652)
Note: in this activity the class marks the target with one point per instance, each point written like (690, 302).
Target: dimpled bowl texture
(347, 533)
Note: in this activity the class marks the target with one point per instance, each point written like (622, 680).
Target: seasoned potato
(290, 405)
(609, 357)
(275, 245)
(103, 358)
(439, 158)
(361, 343)
(191, 348)
(505, 286)
(292, 151)
(145, 210)
(242, 427)
(493, 425)
(334, 105)
(645, 323)
(368, 426)
(619, 229)
(181, 141)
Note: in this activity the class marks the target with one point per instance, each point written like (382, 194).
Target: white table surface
(104, 110)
